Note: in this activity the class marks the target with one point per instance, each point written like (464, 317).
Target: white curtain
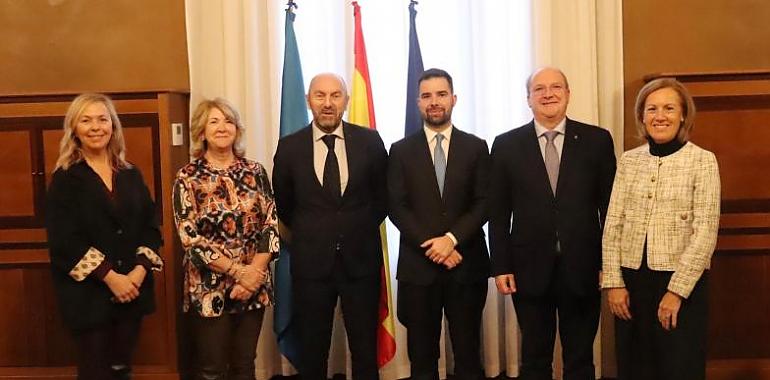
(488, 46)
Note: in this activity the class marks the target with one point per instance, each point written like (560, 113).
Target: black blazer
(80, 215)
(320, 226)
(420, 213)
(526, 217)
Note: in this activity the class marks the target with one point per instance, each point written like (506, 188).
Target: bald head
(544, 69)
(327, 98)
(328, 78)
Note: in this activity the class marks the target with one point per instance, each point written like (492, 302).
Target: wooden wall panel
(739, 325)
(16, 166)
(75, 46)
(722, 129)
(688, 36)
(12, 320)
(51, 139)
(141, 153)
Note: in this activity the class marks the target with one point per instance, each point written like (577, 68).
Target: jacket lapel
(535, 156)
(567, 161)
(306, 159)
(355, 153)
(456, 152)
(424, 162)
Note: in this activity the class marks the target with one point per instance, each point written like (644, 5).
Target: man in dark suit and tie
(331, 194)
(437, 191)
(551, 184)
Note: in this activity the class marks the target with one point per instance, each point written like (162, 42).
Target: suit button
(119, 263)
(119, 231)
(684, 216)
(653, 179)
(649, 195)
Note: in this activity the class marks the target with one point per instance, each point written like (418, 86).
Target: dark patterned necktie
(331, 176)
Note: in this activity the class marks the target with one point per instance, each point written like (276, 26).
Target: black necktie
(331, 175)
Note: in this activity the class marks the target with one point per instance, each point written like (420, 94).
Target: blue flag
(413, 121)
(293, 118)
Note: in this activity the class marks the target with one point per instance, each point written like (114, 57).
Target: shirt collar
(561, 128)
(431, 134)
(318, 133)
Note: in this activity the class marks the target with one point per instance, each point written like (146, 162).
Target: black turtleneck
(663, 150)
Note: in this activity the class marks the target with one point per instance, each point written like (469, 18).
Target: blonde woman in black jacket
(103, 239)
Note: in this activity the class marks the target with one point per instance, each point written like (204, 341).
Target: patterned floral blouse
(228, 212)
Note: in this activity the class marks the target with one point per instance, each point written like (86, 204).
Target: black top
(81, 215)
(665, 149)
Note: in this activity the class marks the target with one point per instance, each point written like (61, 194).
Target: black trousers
(314, 301)
(646, 351)
(578, 321)
(226, 346)
(420, 310)
(105, 352)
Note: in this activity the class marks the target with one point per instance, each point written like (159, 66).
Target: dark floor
(342, 377)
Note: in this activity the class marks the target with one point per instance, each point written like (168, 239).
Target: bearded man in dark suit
(330, 190)
(437, 190)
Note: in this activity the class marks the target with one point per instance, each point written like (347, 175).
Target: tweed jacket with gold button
(673, 203)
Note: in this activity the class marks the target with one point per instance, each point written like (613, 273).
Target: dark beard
(437, 122)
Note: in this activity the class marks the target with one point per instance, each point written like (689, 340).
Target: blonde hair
(70, 151)
(200, 118)
(685, 100)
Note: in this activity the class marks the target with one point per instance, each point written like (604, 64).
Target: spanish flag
(361, 112)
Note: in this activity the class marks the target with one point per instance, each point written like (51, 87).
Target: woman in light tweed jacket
(659, 236)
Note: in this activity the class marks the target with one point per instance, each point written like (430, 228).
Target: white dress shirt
(430, 135)
(558, 141)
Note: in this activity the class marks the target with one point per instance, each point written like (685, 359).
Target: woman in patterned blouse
(226, 218)
(660, 233)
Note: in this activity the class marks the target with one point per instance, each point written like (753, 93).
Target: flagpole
(293, 118)
(413, 121)
(361, 112)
